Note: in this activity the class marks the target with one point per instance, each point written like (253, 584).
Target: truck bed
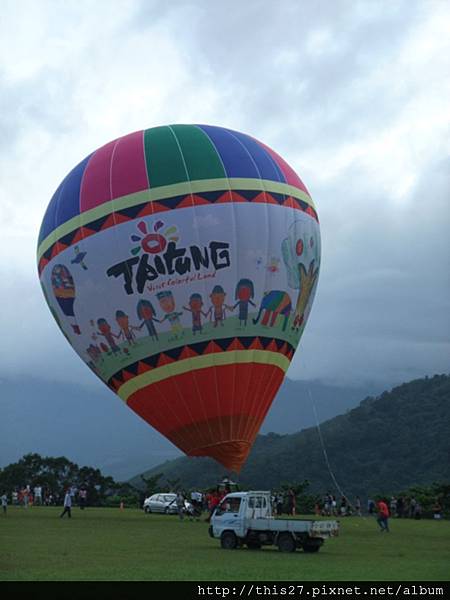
(313, 528)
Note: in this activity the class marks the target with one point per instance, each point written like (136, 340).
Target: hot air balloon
(204, 254)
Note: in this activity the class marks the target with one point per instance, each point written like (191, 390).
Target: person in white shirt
(67, 504)
(38, 495)
(4, 499)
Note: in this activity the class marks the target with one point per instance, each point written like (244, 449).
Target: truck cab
(245, 518)
(237, 508)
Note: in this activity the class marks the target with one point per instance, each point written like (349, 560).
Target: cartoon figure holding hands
(104, 329)
(94, 335)
(167, 304)
(126, 330)
(195, 307)
(244, 293)
(218, 305)
(146, 312)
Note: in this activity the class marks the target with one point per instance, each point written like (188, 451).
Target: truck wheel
(228, 540)
(286, 543)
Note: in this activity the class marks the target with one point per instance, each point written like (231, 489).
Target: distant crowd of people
(330, 506)
(400, 507)
(284, 503)
(403, 507)
(195, 503)
(192, 505)
(27, 497)
(383, 509)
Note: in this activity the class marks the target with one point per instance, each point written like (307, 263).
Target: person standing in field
(25, 496)
(213, 502)
(393, 506)
(180, 505)
(197, 503)
(67, 504)
(358, 506)
(383, 516)
(82, 498)
(280, 502)
(4, 500)
(38, 495)
(291, 502)
(333, 503)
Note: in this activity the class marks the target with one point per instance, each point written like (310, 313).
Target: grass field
(109, 544)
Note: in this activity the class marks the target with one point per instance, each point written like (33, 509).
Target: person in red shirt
(213, 501)
(383, 516)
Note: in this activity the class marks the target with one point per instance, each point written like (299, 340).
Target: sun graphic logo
(153, 243)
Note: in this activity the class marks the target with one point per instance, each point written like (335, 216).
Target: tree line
(54, 475)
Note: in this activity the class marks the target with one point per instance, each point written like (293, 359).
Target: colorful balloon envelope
(181, 263)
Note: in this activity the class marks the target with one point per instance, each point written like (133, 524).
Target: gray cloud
(383, 305)
(296, 67)
(353, 95)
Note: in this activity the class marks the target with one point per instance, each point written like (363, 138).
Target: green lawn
(107, 544)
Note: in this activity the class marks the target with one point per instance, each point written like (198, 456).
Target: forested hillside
(389, 442)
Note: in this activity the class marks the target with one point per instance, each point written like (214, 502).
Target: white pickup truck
(246, 518)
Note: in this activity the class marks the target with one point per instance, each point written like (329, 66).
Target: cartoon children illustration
(126, 330)
(147, 314)
(104, 329)
(244, 293)
(94, 352)
(94, 335)
(218, 305)
(195, 307)
(167, 304)
(95, 355)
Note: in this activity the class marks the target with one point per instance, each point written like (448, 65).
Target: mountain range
(91, 426)
(387, 444)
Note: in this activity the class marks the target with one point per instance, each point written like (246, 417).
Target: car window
(229, 505)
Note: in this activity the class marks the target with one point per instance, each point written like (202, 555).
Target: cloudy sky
(354, 95)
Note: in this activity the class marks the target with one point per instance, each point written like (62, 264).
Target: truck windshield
(229, 505)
